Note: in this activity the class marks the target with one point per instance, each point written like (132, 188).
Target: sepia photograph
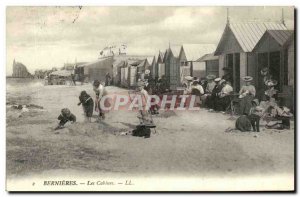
(150, 98)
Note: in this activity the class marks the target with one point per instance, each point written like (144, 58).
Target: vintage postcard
(150, 98)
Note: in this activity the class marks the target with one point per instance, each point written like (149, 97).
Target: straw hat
(222, 81)
(189, 78)
(147, 72)
(195, 82)
(271, 83)
(247, 78)
(217, 79)
(210, 77)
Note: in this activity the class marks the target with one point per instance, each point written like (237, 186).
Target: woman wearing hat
(271, 92)
(215, 95)
(197, 90)
(247, 94)
(100, 92)
(224, 96)
(208, 90)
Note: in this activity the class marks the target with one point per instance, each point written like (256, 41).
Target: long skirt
(245, 105)
(209, 101)
(222, 103)
(88, 109)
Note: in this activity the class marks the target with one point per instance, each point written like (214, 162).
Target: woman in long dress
(247, 94)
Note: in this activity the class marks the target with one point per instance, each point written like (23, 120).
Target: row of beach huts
(244, 49)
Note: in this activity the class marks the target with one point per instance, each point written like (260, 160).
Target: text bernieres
(60, 183)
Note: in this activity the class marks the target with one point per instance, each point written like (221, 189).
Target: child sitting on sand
(87, 104)
(65, 117)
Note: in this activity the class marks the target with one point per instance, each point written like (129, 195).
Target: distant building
(113, 65)
(20, 70)
(95, 70)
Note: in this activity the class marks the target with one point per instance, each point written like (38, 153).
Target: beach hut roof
(248, 34)
(162, 54)
(175, 50)
(151, 60)
(134, 62)
(142, 63)
(281, 36)
(194, 51)
(207, 57)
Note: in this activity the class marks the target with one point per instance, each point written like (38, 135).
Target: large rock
(20, 70)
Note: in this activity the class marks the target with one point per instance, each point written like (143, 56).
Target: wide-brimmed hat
(147, 72)
(189, 78)
(195, 82)
(217, 79)
(264, 71)
(271, 83)
(210, 77)
(247, 78)
(222, 81)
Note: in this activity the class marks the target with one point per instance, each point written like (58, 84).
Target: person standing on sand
(87, 104)
(100, 92)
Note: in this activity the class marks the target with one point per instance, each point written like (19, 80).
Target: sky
(46, 37)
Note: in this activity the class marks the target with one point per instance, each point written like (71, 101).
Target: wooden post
(233, 72)
(191, 68)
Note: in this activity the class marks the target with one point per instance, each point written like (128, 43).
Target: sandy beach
(185, 143)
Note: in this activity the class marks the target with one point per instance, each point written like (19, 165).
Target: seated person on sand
(224, 96)
(213, 100)
(87, 105)
(188, 84)
(65, 117)
(208, 91)
(270, 95)
(197, 91)
(247, 94)
(280, 116)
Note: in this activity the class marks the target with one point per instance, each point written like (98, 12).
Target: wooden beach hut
(235, 49)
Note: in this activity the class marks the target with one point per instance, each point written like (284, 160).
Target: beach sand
(185, 144)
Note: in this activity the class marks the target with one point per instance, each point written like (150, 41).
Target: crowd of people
(217, 95)
(214, 93)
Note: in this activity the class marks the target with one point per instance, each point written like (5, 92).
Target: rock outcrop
(20, 70)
